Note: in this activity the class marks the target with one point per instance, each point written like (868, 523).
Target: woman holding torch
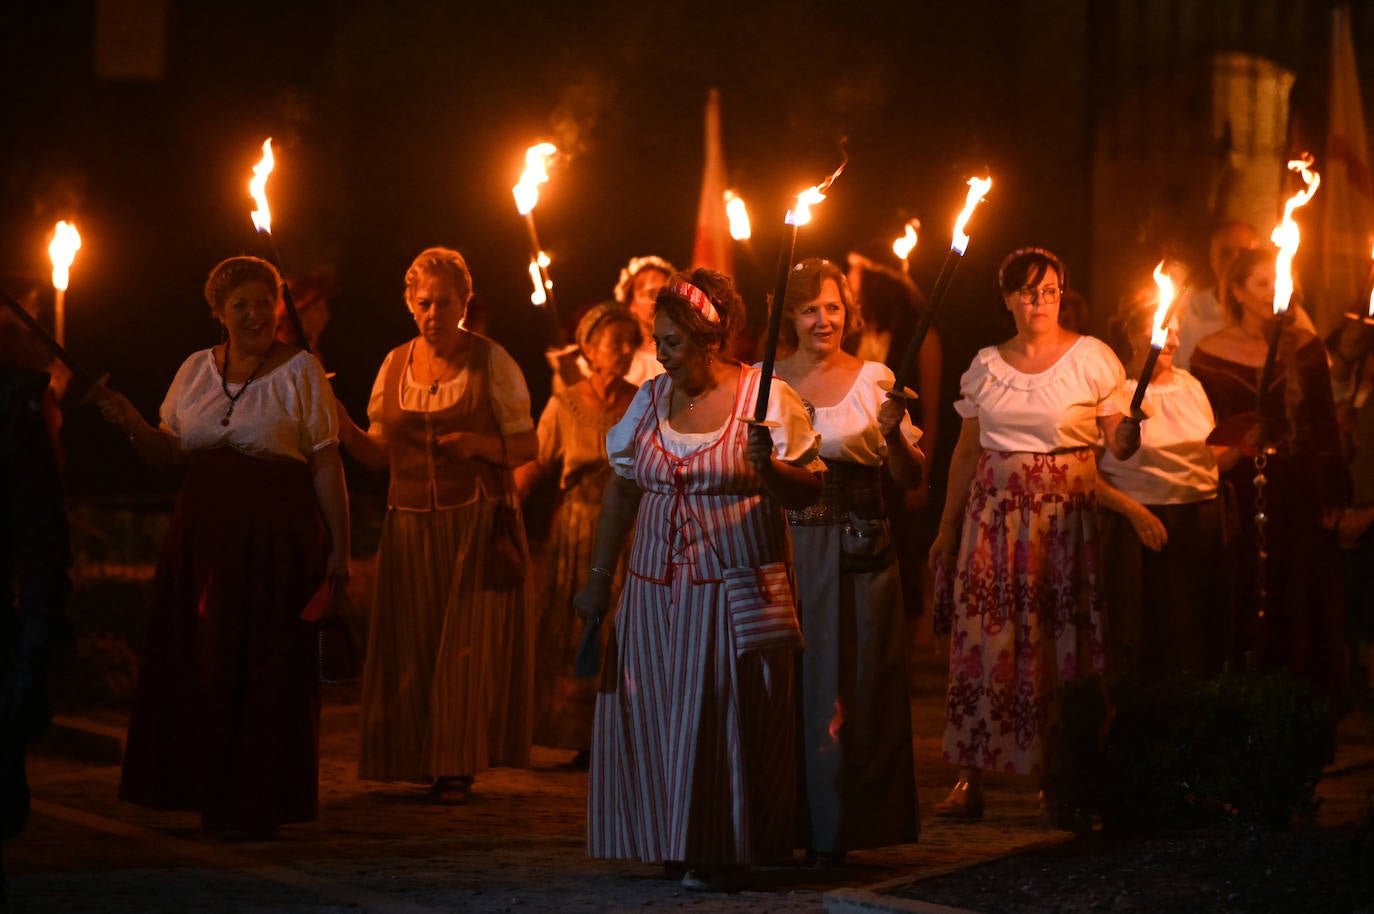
(694, 752)
(226, 721)
(1297, 585)
(1016, 575)
(449, 672)
(1162, 535)
(859, 777)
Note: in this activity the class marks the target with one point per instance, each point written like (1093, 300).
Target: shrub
(1244, 746)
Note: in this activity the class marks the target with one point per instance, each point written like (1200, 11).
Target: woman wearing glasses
(1016, 577)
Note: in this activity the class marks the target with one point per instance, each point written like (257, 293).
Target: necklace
(224, 380)
(434, 379)
(701, 395)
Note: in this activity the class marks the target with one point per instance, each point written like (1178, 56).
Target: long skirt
(448, 675)
(226, 721)
(859, 774)
(564, 704)
(694, 749)
(1166, 611)
(1024, 604)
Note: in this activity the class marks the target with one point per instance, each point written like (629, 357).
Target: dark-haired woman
(1015, 560)
(1301, 628)
(860, 782)
(1162, 533)
(694, 751)
(226, 721)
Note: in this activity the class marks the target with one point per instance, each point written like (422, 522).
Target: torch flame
(257, 188)
(1159, 334)
(1371, 295)
(538, 296)
(66, 241)
(813, 195)
(978, 189)
(536, 173)
(738, 215)
(1286, 235)
(903, 246)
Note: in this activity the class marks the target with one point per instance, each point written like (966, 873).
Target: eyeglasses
(1048, 294)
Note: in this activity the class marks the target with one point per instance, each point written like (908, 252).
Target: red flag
(1348, 217)
(714, 248)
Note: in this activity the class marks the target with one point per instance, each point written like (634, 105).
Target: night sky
(402, 125)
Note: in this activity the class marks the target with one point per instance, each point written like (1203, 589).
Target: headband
(697, 299)
(1020, 252)
(599, 316)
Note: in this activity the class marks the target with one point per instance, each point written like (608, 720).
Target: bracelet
(605, 572)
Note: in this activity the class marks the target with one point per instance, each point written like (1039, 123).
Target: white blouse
(287, 413)
(509, 394)
(1174, 465)
(794, 440)
(1053, 410)
(849, 429)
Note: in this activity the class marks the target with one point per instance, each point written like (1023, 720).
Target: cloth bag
(763, 611)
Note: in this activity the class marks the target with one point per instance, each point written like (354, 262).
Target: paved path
(515, 846)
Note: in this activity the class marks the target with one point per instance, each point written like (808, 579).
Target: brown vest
(424, 475)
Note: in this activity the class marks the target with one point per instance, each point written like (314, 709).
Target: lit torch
(262, 221)
(977, 190)
(1287, 237)
(1368, 317)
(526, 193)
(66, 241)
(738, 215)
(904, 245)
(796, 217)
(1159, 335)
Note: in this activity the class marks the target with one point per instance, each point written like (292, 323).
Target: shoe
(726, 880)
(965, 801)
(825, 860)
(450, 790)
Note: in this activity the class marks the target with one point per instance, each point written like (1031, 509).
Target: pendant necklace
(224, 380)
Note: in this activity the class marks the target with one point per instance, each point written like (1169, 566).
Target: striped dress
(694, 747)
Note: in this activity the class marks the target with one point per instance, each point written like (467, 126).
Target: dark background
(402, 125)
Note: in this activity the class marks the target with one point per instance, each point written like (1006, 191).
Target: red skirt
(226, 721)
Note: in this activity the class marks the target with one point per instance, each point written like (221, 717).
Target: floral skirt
(1023, 604)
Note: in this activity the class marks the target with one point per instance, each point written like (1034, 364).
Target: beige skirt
(447, 682)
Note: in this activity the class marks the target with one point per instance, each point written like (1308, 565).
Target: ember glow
(738, 215)
(1159, 333)
(536, 173)
(66, 241)
(903, 246)
(977, 190)
(257, 188)
(1286, 235)
(1371, 295)
(538, 296)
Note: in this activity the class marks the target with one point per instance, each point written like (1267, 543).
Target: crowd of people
(735, 552)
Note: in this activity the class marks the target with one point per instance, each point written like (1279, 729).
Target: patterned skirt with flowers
(1022, 605)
